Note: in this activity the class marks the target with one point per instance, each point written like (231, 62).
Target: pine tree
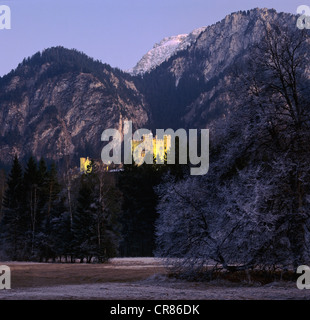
(54, 188)
(83, 221)
(14, 222)
(31, 183)
(139, 206)
(107, 216)
(50, 206)
(95, 221)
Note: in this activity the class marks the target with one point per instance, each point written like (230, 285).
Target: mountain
(57, 103)
(164, 50)
(193, 87)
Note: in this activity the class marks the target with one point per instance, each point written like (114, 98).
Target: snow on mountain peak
(163, 50)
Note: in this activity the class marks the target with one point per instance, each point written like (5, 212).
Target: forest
(46, 216)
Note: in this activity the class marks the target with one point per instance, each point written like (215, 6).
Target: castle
(160, 146)
(160, 149)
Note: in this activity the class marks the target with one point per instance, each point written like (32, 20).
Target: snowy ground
(131, 278)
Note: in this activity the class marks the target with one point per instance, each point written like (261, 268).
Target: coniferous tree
(60, 238)
(14, 221)
(31, 180)
(50, 207)
(83, 221)
(95, 222)
(139, 206)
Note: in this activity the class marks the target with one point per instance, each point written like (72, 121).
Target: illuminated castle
(85, 165)
(160, 149)
(160, 146)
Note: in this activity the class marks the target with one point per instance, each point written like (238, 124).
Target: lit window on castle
(85, 165)
(160, 146)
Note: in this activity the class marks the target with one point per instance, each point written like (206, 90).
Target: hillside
(58, 102)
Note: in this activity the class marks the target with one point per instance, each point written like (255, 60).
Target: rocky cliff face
(53, 107)
(195, 83)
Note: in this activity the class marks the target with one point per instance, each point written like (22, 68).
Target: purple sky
(117, 32)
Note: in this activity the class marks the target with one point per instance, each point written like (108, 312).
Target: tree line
(37, 224)
(48, 215)
(40, 222)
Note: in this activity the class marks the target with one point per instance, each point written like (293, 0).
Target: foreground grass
(53, 274)
(140, 278)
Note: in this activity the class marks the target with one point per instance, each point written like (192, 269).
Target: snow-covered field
(130, 278)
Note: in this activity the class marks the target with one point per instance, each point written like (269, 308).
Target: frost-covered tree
(187, 225)
(205, 226)
(252, 208)
(278, 111)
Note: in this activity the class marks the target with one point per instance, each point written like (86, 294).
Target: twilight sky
(117, 32)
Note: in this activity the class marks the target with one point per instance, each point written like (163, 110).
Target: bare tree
(251, 210)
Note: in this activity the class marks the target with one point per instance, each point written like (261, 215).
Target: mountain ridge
(57, 103)
(195, 82)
